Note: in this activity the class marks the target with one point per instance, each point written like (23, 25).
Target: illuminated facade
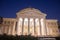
(30, 21)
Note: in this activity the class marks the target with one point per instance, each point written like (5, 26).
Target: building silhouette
(30, 21)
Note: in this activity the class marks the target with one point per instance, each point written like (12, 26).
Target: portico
(31, 22)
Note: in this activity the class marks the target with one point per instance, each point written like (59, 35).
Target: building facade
(30, 21)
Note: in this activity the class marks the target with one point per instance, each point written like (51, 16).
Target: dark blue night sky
(9, 8)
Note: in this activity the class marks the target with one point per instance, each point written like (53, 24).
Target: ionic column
(43, 30)
(31, 27)
(19, 26)
(28, 26)
(37, 27)
(9, 32)
(25, 29)
(13, 29)
(34, 27)
(22, 26)
(5, 29)
(40, 27)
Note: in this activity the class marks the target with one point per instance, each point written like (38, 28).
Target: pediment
(30, 12)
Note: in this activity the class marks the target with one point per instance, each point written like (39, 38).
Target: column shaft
(9, 30)
(28, 26)
(34, 26)
(43, 27)
(13, 29)
(22, 26)
(40, 27)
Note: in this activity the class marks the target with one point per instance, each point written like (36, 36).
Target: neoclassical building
(30, 21)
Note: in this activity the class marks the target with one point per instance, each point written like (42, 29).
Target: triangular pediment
(30, 12)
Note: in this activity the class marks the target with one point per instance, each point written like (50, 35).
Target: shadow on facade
(1, 20)
(10, 37)
(29, 37)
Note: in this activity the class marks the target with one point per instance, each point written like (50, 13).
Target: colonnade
(27, 26)
(31, 26)
(8, 29)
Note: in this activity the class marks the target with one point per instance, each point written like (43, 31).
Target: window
(8, 22)
(12, 22)
(4, 22)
